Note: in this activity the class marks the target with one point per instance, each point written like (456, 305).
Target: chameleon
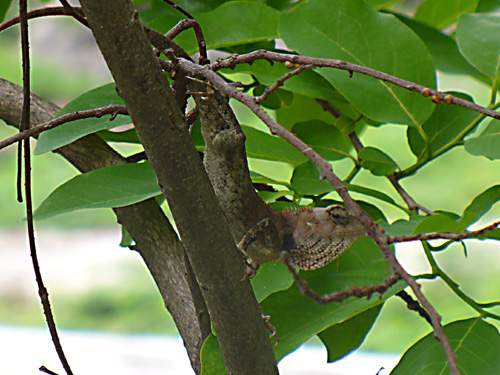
(309, 238)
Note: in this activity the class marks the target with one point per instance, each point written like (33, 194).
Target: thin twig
(437, 271)
(179, 9)
(185, 24)
(280, 82)
(326, 173)
(410, 202)
(436, 96)
(47, 371)
(63, 119)
(78, 13)
(42, 12)
(328, 107)
(356, 291)
(156, 38)
(413, 305)
(19, 173)
(24, 125)
(137, 157)
(444, 235)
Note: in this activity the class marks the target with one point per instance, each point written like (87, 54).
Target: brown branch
(24, 125)
(63, 119)
(413, 305)
(157, 39)
(37, 13)
(410, 202)
(191, 23)
(443, 236)
(161, 127)
(225, 162)
(155, 239)
(356, 291)
(77, 13)
(179, 8)
(326, 173)
(436, 96)
(280, 82)
(46, 370)
(328, 107)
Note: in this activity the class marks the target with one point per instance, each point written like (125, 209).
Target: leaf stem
(437, 271)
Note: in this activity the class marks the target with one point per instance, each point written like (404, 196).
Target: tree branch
(63, 119)
(443, 236)
(326, 173)
(156, 240)
(413, 305)
(356, 291)
(225, 161)
(280, 82)
(436, 96)
(161, 127)
(24, 125)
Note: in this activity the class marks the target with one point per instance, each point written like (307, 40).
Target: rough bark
(160, 125)
(226, 164)
(156, 240)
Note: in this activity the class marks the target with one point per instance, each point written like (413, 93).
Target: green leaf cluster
(418, 49)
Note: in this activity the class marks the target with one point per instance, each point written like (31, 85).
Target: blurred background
(96, 286)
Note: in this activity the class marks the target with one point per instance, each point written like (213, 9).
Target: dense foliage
(331, 110)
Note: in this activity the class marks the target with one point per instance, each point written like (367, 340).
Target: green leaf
(402, 227)
(4, 7)
(373, 193)
(298, 318)
(212, 362)
(444, 50)
(243, 22)
(305, 181)
(487, 144)
(377, 161)
(379, 4)
(324, 138)
(265, 146)
(127, 136)
(474, 341)
(440, 222)
(443, 13)
(115, 186)
(488, 6)
(353, 31)
(258, 178)
(491, 234)
(230, 24)
(71, 131)
(270, 278)
(341, 339)
(448, 124)
(308, 82)
(480, 205)
(477, 36)
(277, 99)
(126, 239)
(272, 196)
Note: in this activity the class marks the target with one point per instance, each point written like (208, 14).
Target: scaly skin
(310, 237)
